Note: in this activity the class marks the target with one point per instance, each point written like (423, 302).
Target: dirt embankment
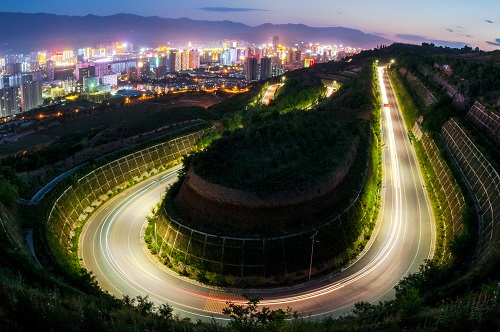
(218, 208)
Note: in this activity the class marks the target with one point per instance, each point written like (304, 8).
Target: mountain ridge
(23, 32)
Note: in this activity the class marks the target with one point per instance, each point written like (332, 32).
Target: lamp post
(312, 251)
(156, 240)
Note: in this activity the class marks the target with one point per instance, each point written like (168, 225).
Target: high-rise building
(67, 55)
(9, 101)
(265, 68)
(143, 70)
(42, 58)
(101, 69)
(111, 80)
(225, 58)
(79, 70)
(56, 57)
(90, 84)
(89, 53)
(175, 61)
(132, 73)
(194, 59)
(233, 56)
(252, 69)
(31, 95)
(15, 80)
(15, 68)
(185, 60)
(276, 42)
(51, 67)
(68, 85)
(158, 66)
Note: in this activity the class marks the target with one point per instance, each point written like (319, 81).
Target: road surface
(112, 245)
(269, 94)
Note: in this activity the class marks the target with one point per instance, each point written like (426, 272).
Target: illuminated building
(276, 42)
(101, 52)
(252, 70)
(101, 69)
(89, 53)
(31, 95)
(143, 70)
(185, 60)
(308, 62)
(111, 80)
(69, 86)
(56, 93)
(85, 69)
(56, 57)
(50, 70)
(15, 80)
(225, 58)
(132, 73)
(265, 68)
(90, 84)
(15, 68)
(175, 61)
(42, 58)
(67, 55)
(9, 101)
(158, 66)
(194, 59)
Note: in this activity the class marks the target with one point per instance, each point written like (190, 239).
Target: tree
(247, 318)
(8, 193)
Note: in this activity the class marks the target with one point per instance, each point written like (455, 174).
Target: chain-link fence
(449, 196)
(78, 201)
(483, 180)
(488, 123)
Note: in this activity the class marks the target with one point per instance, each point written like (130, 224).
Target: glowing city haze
(444, 22)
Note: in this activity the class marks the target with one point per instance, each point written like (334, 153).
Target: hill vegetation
(438, 298)
(274, 152)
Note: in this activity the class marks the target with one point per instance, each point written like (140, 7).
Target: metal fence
(271, 256)
(78, 201)
(450, 198)
(483, 180)
(486, 122)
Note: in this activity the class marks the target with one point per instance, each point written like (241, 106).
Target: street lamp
(312, 251)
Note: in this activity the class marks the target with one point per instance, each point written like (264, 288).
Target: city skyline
(447, 23)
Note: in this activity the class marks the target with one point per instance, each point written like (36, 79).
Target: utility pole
(312, 251)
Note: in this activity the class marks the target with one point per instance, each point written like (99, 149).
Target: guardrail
(482, 179)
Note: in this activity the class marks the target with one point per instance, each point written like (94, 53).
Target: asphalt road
(269, 94)
(112, 244)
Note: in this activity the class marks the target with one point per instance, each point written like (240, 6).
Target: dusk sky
(476, 23)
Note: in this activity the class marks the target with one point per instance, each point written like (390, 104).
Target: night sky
(443, 22)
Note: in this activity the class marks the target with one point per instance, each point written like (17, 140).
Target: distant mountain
(22, 32)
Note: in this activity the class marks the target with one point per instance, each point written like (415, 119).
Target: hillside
(22, 33)
(441, 297)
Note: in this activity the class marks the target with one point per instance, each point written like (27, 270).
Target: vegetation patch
(278, 152)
